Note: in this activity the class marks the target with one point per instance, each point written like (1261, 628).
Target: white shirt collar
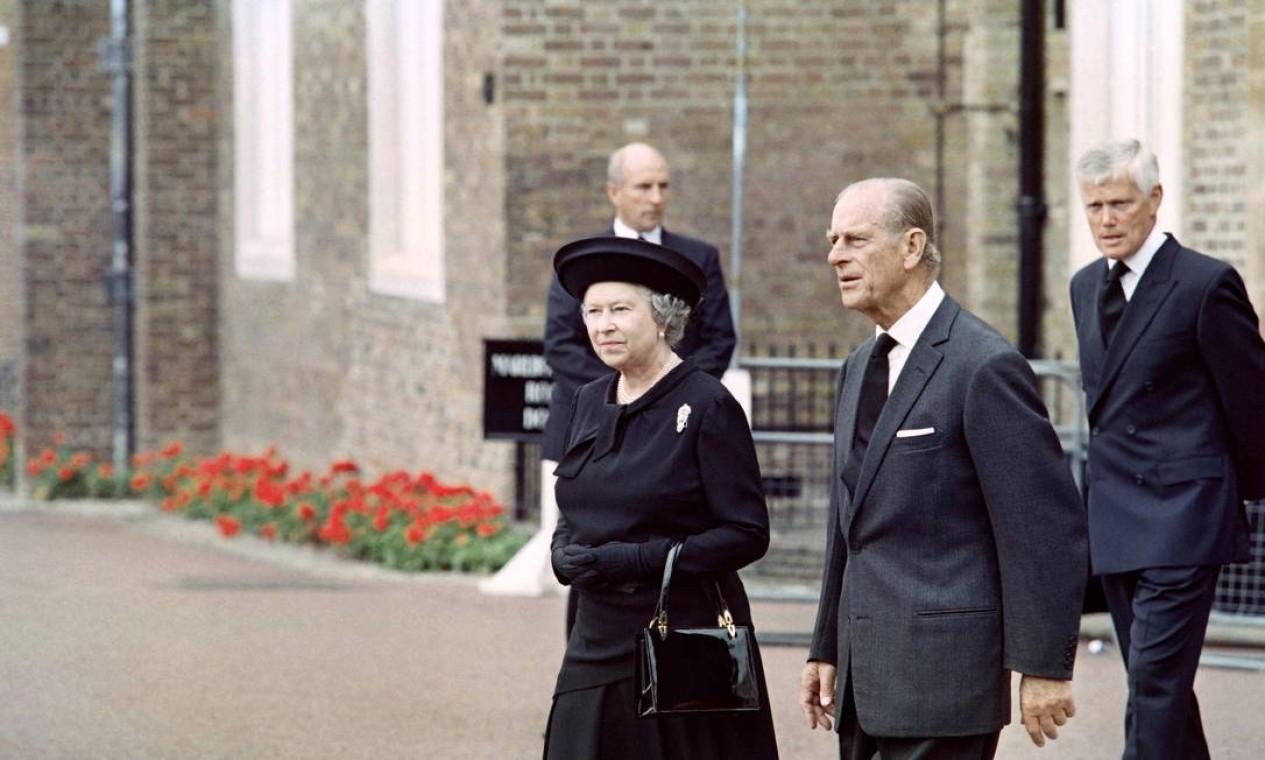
(909, 327)
(622, 230)
(1139, 261)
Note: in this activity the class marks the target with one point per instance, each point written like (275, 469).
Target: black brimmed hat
(581, 263)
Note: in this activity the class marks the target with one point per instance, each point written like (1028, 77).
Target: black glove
(618, 563)
(573, 563)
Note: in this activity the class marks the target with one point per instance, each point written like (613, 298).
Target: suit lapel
(1152, 290)
(849, 398)
(1088, 322)
(919, 368)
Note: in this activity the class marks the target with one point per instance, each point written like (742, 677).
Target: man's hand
(817, 693)
(1045, 704)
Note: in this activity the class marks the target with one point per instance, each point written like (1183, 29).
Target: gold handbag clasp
(661, 622)
(726, 621)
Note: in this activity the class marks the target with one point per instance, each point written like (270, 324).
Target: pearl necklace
(624, 397)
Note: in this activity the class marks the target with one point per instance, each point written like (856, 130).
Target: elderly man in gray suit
(956, 551)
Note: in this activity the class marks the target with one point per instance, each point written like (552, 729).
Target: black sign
(516, 387)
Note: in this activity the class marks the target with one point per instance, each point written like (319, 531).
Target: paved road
(137, 635)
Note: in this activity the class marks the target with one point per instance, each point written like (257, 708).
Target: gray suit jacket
(962, 556)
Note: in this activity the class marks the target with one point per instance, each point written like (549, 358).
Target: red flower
(334, 531)
(343, 465)
(66, 473)
(172, 450)
(415, 534)
(227, 525)
(487, 530)
(269, 493)
(105, 470)
(306, 511)
(268, 531)
(139, 483)
(382, 519)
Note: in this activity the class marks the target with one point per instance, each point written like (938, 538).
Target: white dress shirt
(1139, 261)
(622, 230)
(907, 330)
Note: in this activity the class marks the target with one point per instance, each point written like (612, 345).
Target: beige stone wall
(323, 367)
(1254, 154)
(1225, 162)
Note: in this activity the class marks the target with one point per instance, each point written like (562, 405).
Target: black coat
(709, 338)
(677, 463)
(1177, 414)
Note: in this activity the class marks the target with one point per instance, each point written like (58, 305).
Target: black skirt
(600, 723)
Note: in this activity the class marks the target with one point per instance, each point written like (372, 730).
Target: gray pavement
(125, 633)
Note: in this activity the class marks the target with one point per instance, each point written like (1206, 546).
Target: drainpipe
(1031, 204)
(116, 58)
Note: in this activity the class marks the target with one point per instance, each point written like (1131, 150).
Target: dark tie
(873, 396)
(1111, 301)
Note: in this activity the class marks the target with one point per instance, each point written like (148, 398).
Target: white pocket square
(914, 432)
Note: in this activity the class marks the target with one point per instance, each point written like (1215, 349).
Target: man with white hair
(1173, 368)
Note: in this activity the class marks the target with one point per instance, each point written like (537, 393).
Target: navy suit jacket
(961, 557)
(709, 338)
(1176, 413)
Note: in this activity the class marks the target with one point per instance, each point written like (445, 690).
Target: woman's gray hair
(1119, 160)
(670, 313)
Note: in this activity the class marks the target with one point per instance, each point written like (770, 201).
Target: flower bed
(7, 468)
(399, 520)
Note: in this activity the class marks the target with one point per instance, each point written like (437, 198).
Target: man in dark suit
(638, 186)
(956, 547)
(1173, 368)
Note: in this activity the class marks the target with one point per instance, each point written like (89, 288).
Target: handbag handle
(660, 620)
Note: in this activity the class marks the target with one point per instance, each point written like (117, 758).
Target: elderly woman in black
(657, 453)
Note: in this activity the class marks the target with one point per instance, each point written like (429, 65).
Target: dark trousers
(1161, 616)
(856, 744)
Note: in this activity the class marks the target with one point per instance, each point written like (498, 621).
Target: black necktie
(869, 406)
(1111, 301)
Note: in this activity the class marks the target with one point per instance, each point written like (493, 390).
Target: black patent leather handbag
(685, 671)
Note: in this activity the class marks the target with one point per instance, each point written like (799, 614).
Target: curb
(304, 558)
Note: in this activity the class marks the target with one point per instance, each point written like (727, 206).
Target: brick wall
(415, 389)
(11, 330)
(322, 366)
(837, 93)
(1225, 163)
(177, 378)
(1254, 155)
(65, 232)
(1216, 130)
